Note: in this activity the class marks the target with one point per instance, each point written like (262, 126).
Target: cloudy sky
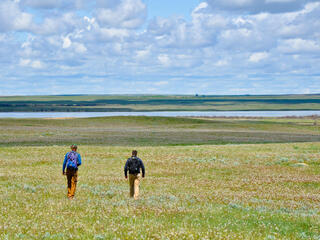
(153, 46)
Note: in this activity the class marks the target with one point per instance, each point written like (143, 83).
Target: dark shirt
(126, 167)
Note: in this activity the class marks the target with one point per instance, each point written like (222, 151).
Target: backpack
(134, 165)
(72, 160)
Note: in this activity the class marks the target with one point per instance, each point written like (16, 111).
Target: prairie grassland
(268, 191)
(192, 190)
(155, 131)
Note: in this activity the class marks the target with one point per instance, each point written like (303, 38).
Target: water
(162, 114)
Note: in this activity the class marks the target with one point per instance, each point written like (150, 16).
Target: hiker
(133, 165)
(72, 161)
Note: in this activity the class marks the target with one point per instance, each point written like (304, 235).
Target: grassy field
(195, 188)
(128, 103)
(155, 131)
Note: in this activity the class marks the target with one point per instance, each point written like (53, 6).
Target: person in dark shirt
(72, 161)
(133, 165)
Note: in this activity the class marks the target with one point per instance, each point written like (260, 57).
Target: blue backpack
(72, 160)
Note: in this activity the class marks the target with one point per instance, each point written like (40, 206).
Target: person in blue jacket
(72, 161)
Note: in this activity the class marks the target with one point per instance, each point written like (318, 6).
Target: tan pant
(72, 177)
(134, 181)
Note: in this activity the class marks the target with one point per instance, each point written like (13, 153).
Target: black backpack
(134, 165)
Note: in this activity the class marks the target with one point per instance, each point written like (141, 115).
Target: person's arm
(64, 163)
(142, 167)
(126, 169)
(79, 160)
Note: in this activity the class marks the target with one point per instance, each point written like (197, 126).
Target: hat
(74, 146)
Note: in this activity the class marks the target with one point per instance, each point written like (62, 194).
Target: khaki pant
(134, 181)
(72, 177)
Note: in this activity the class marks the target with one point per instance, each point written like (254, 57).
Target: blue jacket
(66, 158)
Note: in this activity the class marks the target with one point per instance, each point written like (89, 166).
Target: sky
(53, 47)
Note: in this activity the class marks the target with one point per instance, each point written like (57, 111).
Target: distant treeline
(164, 103)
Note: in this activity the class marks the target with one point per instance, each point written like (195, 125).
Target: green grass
(128, 103)
(193, 189)
(154, 131)
(190, 192)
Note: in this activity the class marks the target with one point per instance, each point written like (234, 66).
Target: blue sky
(159, 47)
(169, 8)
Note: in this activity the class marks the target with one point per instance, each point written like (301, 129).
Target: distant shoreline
(159, 103)
(164, 110)
(187, 114)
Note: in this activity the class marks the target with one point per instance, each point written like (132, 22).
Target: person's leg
(74, 181)
(69, 177)
(131, 184)
(136, 186)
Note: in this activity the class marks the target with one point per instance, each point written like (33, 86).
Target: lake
(161, 114)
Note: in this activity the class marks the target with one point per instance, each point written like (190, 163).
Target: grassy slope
(158, 103)
(255, 191)
(148, 131)
(190, 192)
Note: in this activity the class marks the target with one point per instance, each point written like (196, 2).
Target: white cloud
(22, 22)
(80, 48)
(200, 7)
(258, 56)
(44, 3)
(24, 62)
(36, 64)
(2, 37)
(244, 39)
(64, 23)
(90, 21)
(110, 41)
(12, 18)
(221, 63)
(55, 4)
(279, 1)
(126, 14)
(257, 6)
(164, 59)
(113, 33)
(66, 42)
(177, 33)
(108, 3)
(299, 46)
(143, 54)
(161, 83)
(179, 61)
